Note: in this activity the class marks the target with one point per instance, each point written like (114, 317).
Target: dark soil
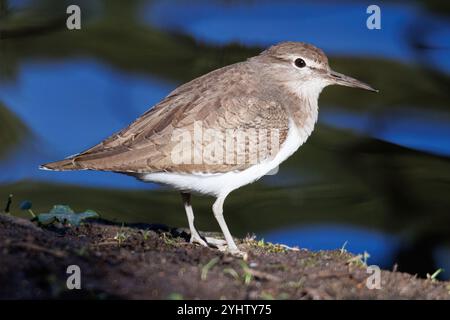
(157, 262)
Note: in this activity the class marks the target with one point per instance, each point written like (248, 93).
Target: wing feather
(221, 99)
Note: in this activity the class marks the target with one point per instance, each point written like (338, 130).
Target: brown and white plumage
(267, 92)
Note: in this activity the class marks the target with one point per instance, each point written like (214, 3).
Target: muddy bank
(156, 262)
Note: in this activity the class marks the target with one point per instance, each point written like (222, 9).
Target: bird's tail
(62, 165)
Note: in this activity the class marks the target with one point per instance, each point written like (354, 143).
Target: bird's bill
(343, 80)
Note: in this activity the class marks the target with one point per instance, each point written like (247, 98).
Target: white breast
(223, 183)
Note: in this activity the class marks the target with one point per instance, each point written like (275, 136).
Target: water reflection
(69, 106)
(381, 246)
(425, 130)
(333, 26)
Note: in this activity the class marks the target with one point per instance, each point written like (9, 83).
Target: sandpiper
(272, 98)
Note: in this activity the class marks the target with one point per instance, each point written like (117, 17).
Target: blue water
(332, 26)
(70, 106)
(380, 246)
(414, 128)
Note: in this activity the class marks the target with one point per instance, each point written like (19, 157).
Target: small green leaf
(61, 209)
(65, 215)
(175, 296)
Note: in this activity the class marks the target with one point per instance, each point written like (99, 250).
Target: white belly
(220, 184)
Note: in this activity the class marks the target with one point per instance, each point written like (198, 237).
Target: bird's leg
(218, 214)
(195, 236)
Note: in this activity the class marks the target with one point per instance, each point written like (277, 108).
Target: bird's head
(305, 67)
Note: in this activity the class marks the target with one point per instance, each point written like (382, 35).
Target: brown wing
(166, 138)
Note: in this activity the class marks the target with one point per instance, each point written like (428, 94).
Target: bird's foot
(195, 238)
(215, 242)
(238, 254)
(219, 244)
(235, 252)
(207, 241)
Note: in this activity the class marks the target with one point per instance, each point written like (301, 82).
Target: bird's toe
(215, 242)
(235, 252)
(197, 239)
(238, 253)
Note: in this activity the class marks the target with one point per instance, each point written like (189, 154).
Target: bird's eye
(300, 63)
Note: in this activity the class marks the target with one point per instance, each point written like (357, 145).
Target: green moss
(266, 246)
